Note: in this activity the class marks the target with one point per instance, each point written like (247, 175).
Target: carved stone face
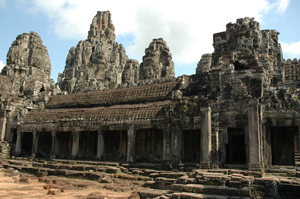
(148, 72)
(126, 76)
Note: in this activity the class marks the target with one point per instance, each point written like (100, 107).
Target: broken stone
(105, 179)
(53, 192)
(15, 173)
(25, 180)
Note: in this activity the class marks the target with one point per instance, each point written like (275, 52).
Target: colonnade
(172, 144)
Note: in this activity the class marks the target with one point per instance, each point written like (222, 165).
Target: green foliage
(183, 108)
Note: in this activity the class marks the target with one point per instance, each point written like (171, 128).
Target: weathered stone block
(53, 192)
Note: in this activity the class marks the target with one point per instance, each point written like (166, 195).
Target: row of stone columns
(174, 146)
(75, 145)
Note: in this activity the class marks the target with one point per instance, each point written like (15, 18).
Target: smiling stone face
(157, 62)
(131, 72)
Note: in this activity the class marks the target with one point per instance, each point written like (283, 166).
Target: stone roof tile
(138, 94)
(118, 112)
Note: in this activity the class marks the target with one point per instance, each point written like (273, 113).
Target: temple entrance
(115, 145)
(149, 145)
(236, 147)
(14, 136)
(64, 141)
(13, 142)
(88, 145)
(282, 145)
(44, 145)
(26, 144)
(191, 145)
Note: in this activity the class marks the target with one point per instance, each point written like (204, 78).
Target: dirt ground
(72, 188)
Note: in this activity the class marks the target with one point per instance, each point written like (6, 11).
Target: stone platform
(157, 183)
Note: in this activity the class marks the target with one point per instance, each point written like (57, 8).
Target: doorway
(282, 145)
(236, 147)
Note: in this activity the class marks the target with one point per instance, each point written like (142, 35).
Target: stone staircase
(297, 159)
(202, 184)
(219, 183)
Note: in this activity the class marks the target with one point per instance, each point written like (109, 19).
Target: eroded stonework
(28, 65)
(100, 63)
(240, 110)
(97, 62)
(157, 61)
(25, 82)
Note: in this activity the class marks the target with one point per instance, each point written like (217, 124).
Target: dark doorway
(282, 144)
(44, 145)
(14, 134)
(64, 141)
(149, 145)
(191, 140)
(26, 144)
(115, 145)
(236, 147)
(88, 145)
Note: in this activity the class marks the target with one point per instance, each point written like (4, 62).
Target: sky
(187, 26)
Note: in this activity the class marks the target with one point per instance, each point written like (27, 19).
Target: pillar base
(215, 166)
(204, 165)
(255, 166)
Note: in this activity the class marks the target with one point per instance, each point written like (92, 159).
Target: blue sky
(187, 26)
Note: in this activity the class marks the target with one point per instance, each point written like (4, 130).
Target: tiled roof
(137, 94)
(118, 112)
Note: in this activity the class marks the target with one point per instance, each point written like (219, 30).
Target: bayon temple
(241, 108)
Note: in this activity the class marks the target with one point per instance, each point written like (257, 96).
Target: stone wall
(292, 70)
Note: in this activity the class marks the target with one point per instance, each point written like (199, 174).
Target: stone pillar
(131, 136)
(176, 142)
(215, 148)
(34, 143)
(205, 147)
(18, 144)
(3, 126)
(52, 153)
(75, 145)
(166, 143)
(254, 137)
(100, 145)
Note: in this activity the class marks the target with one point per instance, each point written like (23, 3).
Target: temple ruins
(240, 110)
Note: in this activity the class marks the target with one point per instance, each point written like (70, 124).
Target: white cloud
(2, 3)
(291, 49)
(187, 26)
(1, 65)
(282, 6)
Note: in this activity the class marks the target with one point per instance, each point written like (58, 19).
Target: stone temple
(240, 110)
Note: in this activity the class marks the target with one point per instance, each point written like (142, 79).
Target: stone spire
(28, 65)
(97, 62)
(102, 26)
(157, 62)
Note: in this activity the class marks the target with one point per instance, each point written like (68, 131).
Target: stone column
(34, 143)
(176, 144)
(254, 136)
(131, 135)
(100, 145)
(166, 143)
(52, 153)
(18, 144)
(75, 145)
(3, 126)
(205, 147)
